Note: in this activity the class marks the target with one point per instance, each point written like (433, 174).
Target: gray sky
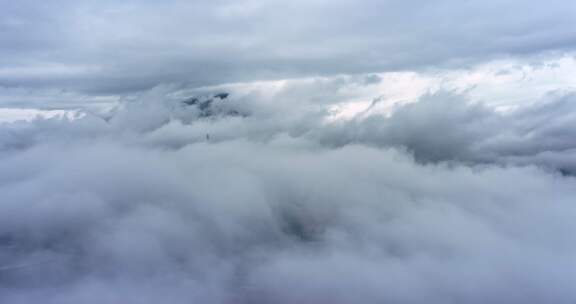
(107, 47)
(421, 152)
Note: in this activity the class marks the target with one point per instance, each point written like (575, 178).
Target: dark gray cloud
(109, 47)
(440, 201)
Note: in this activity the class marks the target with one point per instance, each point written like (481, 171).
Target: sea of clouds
(438, 200)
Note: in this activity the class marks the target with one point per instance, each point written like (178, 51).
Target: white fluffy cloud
(440, 201)
(287, 152)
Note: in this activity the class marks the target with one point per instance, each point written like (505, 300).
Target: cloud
(440, 200)
(103, 47)
(444, 127)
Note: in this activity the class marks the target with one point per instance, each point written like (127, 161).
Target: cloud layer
(440, 201)
(305, 151)
(104, 47)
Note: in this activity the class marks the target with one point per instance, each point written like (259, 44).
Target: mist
(248, 200)
(287, 152)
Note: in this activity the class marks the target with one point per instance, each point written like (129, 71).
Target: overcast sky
(110, 47)
(385, 151)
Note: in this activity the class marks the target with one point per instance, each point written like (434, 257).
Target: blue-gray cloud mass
(108, 47)
(186, 167)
